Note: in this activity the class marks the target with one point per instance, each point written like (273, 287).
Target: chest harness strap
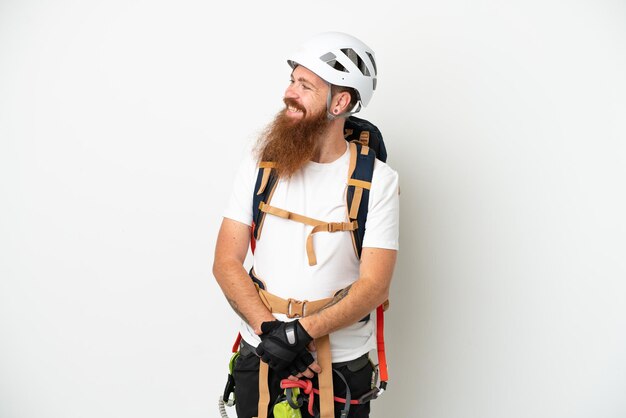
(318, 226)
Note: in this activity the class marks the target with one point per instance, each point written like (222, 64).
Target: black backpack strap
(263, 189)
(360, 172)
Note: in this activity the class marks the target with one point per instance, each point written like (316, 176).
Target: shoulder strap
(360, 172)
(263, 189)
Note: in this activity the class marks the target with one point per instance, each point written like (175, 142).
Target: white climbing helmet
(339, 59)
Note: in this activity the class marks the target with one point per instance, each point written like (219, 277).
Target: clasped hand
(284, 348)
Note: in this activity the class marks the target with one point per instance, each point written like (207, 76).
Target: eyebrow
(304, 80)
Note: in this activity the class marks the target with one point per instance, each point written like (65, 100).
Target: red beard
(291, 143)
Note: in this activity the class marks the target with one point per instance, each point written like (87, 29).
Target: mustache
(289, 102)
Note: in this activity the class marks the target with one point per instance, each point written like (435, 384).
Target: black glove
(302, 360)
(283, 346)
(301, 363)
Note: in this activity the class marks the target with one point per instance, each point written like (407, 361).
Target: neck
(332, 144)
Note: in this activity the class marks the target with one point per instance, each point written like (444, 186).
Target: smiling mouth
(293, 109)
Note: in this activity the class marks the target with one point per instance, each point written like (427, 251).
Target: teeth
(292, 109)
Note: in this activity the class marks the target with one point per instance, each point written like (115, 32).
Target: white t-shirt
(280, 259)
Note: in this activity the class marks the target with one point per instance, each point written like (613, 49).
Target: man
(333, 76)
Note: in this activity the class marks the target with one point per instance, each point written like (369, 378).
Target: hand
(303, 365)
(310, 370)
(283, 346)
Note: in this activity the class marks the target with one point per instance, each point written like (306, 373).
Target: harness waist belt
(293, 308)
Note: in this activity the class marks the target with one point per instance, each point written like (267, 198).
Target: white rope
(222, 407)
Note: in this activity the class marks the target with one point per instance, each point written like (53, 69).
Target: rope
(222, 407)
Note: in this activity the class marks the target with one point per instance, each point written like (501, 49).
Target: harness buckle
(335, 226)
(296, 308)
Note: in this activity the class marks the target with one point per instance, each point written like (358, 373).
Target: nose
(290, 92)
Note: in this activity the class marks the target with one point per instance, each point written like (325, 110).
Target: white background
(122, 123)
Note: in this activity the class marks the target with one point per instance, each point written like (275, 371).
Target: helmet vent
(327, 57)
(357, 60)
(331, 59)
(373, 62)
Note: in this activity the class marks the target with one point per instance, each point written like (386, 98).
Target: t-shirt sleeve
(239, 206)
(383, 216)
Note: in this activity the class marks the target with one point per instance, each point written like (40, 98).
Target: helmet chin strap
(332, 116)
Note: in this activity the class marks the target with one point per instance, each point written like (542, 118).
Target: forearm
(347, 307)
(241, 293)
(230, 253)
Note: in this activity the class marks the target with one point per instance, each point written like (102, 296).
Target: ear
(342, 101)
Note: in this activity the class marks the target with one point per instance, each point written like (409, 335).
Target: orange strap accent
(318, 226)
(380, 341)
(356, 200)
(325, 378)
(264, 390)
(237, 342)
(364, 138)
(359, 185)
(267, 169)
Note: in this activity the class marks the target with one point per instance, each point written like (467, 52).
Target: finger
(293, 378)
(311, 346)
(315, 367)
(305, 358)
(298, 366)
(308, 373)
